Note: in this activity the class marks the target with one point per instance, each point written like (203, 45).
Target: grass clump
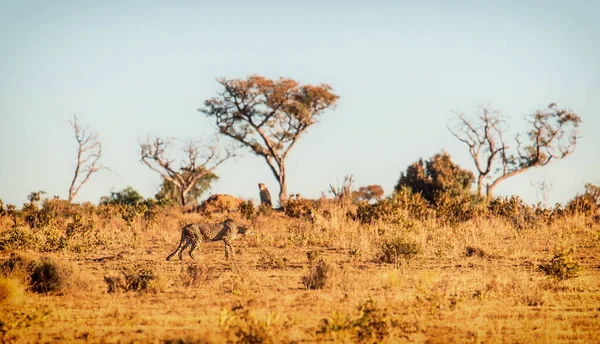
(372, 325)
(318, 272)
(397, 249)
(194, 274)
(240, 326)
(11, 291)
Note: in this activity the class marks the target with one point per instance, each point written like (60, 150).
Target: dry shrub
(240, 326)
(143, 278)
(318, 272)
(472, 251)
(397, 248)
(270, 260)
(372, 325)
(44, 275)
(300, 208)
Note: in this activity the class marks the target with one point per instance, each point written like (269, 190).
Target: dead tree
(553, 135)
(89, 152)
(484, 136)
(194, 168)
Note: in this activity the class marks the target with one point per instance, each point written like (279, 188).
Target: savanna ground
(329, 278)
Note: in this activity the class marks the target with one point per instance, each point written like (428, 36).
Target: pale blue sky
(399, 68)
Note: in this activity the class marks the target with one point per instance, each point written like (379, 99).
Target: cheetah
(192, 233)
(265, 195)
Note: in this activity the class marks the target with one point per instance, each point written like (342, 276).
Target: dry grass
(477, 281)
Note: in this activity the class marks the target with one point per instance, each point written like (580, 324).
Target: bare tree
(89, 152)
(484, 137)
(194, 168)
(268, 116)
(543, 190)
(553, 135)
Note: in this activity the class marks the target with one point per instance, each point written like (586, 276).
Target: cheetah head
(246, 230)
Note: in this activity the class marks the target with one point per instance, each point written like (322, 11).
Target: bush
(392, 250)
(42, 275)
(47, 276)
(402, 206)
(436, 175)
(17, 238)
(141, 278)
(247, 209)
(300, 208)
(453, 208)
(562, 266)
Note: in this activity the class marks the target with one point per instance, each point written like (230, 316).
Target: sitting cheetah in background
(192, 233)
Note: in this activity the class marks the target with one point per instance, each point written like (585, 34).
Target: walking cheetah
(192, 233)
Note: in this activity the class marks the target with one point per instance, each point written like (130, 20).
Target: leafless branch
(89, 152)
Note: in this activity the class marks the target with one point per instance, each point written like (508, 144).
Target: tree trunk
(282, 186)
(480, 184)
(490, 187)
(182, 194)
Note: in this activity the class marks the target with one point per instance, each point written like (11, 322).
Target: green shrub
(562, 266)
(18, 238)
(247, 209)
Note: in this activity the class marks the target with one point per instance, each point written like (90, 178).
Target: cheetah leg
(194, 246)
(183, 249)
(228, 248)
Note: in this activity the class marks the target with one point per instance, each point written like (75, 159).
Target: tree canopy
(268, 116)
(437, 174)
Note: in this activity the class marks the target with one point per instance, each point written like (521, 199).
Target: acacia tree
(553, 135)
(268, 116)
(89, 152)
(194, 168)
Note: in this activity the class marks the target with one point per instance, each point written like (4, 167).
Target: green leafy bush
(562, 266)
(247, 209)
